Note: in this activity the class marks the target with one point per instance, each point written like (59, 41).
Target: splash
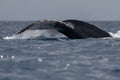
(46, 33)
(115, 35)
(29, 34)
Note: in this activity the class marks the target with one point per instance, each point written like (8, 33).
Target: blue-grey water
(59, 59)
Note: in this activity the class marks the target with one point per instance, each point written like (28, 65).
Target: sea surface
(59, 58)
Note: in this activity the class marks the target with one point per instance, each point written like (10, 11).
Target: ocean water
(59, 58)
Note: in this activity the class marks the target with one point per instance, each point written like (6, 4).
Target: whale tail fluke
(73, 29)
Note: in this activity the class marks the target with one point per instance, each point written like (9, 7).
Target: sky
(60, 9)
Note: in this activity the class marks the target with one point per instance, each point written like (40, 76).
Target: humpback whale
(73, 29)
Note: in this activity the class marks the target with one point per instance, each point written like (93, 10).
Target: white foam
(115, 35)
(28, 34)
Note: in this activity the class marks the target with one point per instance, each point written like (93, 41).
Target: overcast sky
(60, 9)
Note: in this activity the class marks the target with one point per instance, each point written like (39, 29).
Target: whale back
(87, 30)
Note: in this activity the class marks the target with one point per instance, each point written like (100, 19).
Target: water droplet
(40, 60)
(1, 56)
(12, 57)
(67, 65)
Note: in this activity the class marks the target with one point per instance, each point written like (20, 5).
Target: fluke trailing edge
(73, 29)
